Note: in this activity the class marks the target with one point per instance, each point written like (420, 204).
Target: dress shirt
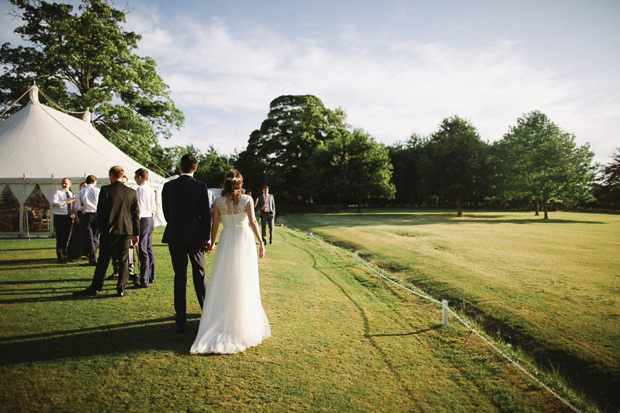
(88, 198)
(146, 200)
(59, 201)
(266, 202)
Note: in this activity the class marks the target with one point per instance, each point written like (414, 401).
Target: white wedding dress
(232, 318)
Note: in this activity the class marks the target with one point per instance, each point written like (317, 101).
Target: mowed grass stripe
(341, 340)
(549, 286)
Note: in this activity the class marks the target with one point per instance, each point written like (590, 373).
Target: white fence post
(355, 254)
(444, 312)
(311, 236)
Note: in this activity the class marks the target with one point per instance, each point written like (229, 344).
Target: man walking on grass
(118, 219)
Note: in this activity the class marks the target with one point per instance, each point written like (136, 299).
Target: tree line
(305, 152)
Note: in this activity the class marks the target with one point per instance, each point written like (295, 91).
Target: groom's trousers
(179, 255)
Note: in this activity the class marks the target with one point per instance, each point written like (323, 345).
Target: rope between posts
(472, 330)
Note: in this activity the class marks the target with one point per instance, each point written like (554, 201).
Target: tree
(84, 61)
(454, 162)
(211, 165)
(406, 159)
(350, 165)
(608, 191)
(542, 163)
(278, 152)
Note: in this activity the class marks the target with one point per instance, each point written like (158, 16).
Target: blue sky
(395, 67)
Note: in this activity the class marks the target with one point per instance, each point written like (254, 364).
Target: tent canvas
(40, 146)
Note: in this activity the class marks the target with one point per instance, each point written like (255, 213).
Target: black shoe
(270, 241)
(112, 277)
(86, 291)
(121, 294)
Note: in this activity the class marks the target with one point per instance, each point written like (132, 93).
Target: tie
(68, 205)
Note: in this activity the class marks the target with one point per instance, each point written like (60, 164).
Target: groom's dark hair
(188, 163)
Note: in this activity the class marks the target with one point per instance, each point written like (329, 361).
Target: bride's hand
(261, 250)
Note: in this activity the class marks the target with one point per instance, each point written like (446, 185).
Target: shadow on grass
(366, 322)
(20, 264)
(25, 282)
(412, 333)
(134, 337)
(28, 249)
(600, 384)
(370, 219)
(103, 295)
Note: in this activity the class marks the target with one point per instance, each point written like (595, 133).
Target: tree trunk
(459, 207)
(546, 209)
(537, 206)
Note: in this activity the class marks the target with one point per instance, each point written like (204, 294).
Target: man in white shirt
(87, 199)
(61, 202)
(146, 205)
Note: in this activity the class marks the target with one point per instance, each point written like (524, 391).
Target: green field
(550, 287)
(342, 340)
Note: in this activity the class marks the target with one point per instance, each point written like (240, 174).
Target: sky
(396, 67)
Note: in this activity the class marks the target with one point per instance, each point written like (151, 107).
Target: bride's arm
(254, 226)
(215, 224)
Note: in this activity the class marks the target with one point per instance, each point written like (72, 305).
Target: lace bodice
(232, 214)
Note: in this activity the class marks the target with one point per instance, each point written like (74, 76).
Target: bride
(233, 318)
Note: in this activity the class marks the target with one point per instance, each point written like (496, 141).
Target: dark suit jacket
(185, 202)
(117, 210)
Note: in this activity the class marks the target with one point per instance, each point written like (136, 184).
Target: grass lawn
(550, 287)
(342, 340)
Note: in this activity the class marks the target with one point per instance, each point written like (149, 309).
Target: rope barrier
(449, 310)
(135, 149)
(13, 104)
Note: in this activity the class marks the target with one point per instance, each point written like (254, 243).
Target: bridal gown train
(232, 318)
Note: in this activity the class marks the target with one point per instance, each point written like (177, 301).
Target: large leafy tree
(84, 60)
(211, 165)
(406, 158)
(454, 162)
(351, 166)
(607, 191)
(277, 154)
(542, 163)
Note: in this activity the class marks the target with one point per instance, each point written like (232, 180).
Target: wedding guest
(62, 200)
(116, 264)
(147, 205)
(119, 225)
(266, 204)
(77, 240)
(88, 197)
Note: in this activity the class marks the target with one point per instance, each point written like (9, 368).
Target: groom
(185, 202)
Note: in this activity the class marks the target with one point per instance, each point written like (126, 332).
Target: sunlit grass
(551, 287)
(341, 340)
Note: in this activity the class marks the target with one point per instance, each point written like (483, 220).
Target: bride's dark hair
(233, 181)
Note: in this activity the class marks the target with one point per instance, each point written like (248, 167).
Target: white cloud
(389, 87)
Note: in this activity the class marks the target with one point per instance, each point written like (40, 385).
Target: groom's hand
(207, 247)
